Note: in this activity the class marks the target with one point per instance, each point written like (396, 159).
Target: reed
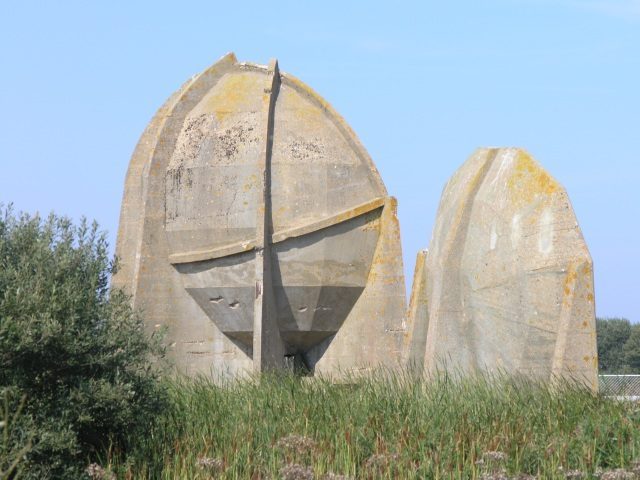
(385, 426)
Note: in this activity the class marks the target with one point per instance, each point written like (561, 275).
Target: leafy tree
(14, 441)
(76, 350)
(631, 350)
(612, 334)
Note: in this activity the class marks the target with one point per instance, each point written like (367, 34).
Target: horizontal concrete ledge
(212, 253)
(245, 246)
(329, 221)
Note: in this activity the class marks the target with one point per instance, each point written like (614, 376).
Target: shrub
(631, 350)
(618, 346)
(14, 444)
(77, 351)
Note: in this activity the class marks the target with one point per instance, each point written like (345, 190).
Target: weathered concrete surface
(509, 279)
(372, 335)
(255, 227)
(417, 316)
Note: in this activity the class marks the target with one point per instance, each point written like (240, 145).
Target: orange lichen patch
(569, 283)
(236, 92)
(572, 275)
(586, 269)
(371, 226)
(528, 180)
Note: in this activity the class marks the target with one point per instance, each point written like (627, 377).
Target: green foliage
(15, 442)
(618, 345)
(384, 426)
(78, 352)
(631, 350)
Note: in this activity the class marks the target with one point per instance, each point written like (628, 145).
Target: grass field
(385, 427)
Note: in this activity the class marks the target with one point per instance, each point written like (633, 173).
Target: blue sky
(422, 83)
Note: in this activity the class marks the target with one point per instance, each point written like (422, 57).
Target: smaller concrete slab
(508, 279)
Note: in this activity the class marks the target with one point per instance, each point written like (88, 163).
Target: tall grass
(384, 426)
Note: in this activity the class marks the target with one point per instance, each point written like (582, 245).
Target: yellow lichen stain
(587, 358)
(235, 92)
(371, 226)
(298, 85)
(251, 182)
(585, 324)
(373, 274)
(302, 108)
(572, 275)
(529, 180)
(586, 269)
(590, 297)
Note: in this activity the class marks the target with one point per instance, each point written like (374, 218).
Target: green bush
(77, 351)
(14, 437)
(631, 350)
(618, 345)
